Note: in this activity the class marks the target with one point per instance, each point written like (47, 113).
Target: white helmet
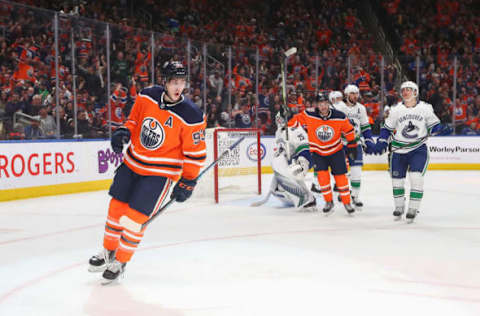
(351, 88)
(412, 85)
(333, 95)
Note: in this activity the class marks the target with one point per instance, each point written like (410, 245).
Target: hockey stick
(137, 227)
(286, 109)
(262, 201)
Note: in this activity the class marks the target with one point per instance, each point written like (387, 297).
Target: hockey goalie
(290, 165)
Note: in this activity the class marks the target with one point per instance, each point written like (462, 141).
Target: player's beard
(351, 102)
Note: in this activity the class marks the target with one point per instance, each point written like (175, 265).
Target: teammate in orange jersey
(166, 131)
(325, 127)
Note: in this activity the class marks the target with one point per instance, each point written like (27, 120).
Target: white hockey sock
(416, 190)
(398, 192)
(355, 175)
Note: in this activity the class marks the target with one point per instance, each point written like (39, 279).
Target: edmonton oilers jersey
(411, 125)
(324, 133)
(166, 139)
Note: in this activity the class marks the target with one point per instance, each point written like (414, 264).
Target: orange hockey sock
(129, 240)
(343, 188)
(113, 229)
(323, 178)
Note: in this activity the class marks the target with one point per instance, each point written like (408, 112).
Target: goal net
(238, 172)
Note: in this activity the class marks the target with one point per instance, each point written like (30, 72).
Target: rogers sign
(34, 164)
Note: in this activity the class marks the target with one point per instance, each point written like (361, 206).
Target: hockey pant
(286, 187)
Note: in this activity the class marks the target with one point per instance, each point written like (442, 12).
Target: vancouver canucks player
(290, 165)
(413, 121)
(357, 114)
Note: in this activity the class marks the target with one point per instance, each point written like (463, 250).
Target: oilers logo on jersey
(410, 131)
(325, 133)
(152, 134)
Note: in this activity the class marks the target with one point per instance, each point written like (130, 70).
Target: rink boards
(30, 169)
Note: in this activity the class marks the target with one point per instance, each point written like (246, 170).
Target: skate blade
(107, 281)
(95, 269)
(410, 220)
(310, 209)
(397, 218)
(329, 213)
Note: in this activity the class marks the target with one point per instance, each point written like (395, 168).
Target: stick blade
(291, 51)
(258, 203)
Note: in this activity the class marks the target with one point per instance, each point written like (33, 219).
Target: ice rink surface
(232, 259)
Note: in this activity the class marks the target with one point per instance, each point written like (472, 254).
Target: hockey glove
(380, 146)
(352, 151)
(119, 137)
(440, 129)
(299, 167)
(369, 146)
(183, 190)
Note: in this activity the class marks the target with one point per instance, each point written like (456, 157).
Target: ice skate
(411, 214)
(99, 262)
(349, 208)
(328, 208)
(315, 188)
(358, 204)
(398, 212)
(114, 271)
(310, 206)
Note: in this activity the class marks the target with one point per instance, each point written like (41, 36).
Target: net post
(259, 162)
(215, 169)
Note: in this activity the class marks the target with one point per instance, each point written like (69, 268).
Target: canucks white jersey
(357, 115)
(411, 125)
(297, 140)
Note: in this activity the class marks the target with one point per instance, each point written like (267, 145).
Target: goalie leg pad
(297, 193)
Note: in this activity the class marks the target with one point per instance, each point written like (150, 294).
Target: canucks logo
(246, 119)
(325, 133)
(410, 131)
(152, 134)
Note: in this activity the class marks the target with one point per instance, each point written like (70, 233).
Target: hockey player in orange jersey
(325, 126)
(167, 144)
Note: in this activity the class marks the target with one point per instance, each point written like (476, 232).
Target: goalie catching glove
(183, 190)
(299, 167)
